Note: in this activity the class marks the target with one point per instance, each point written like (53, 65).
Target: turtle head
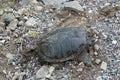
(28, 48)
(42, 46)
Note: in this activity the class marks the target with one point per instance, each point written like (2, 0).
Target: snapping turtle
(64, 44)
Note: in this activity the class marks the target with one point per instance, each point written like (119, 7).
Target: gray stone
(76, 79)
(50, 72)
(9, 17)
(73, 5)
(13, 24)
(4, 71)
(80, 69)
(1, 30)
(14, 58)
(97, 61)
(15, 77)
(16, 14)
(10, 56)
(24, 2)
(2, 24)
(96, 47)
(2, 41)
(25, 18)
(20, 23)
(63, 79)
(53, 2)
(99, 78)
(18, 76)
(38, 8)
(59, 75)
(34, 1)
(112, 1)
(95, 53)
(81, 64)
(103, 66)
(8, 9)
(104, 9)
(21, 11)
(114, 42)
(21, 75)
(116, 21)
(1, 12)
(31, 22)
(42, 72)
(118, 15)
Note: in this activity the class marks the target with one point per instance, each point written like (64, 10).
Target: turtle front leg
(86, 58)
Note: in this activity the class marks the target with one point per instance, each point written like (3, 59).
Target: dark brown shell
(62, 44)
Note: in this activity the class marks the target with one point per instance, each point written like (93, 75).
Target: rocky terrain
(24, 21)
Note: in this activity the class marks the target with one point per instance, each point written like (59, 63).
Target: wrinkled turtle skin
(63, 44)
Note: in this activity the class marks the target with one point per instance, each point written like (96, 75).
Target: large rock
(73, 5)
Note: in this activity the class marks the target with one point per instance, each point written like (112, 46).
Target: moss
(33, 34)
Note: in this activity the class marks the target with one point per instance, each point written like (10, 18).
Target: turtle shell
(62, 44)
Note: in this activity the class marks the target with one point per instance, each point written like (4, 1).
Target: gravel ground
(23, 22)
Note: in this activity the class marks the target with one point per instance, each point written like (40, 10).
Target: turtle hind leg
(86, 59)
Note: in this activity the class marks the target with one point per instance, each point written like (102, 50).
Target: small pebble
(97, 61)
(8, 9)
(96, 47)
(80, 69)
(10, 56)
(15, 77)
(20, 23)
(2, 41)
(39, 8)
(25, 18)
(9, 17)
(21, 75)
(1, 12)
(4, 71)
(42, 72)
(34, 1)
(104, 35)
(50, 72)
(99, 78)
(63, 79)
(103, 66)
(2, 24)
(13, 24)
(114, 42)
(31, 22)
(95, 53)
(51, 69)
(81, 64)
